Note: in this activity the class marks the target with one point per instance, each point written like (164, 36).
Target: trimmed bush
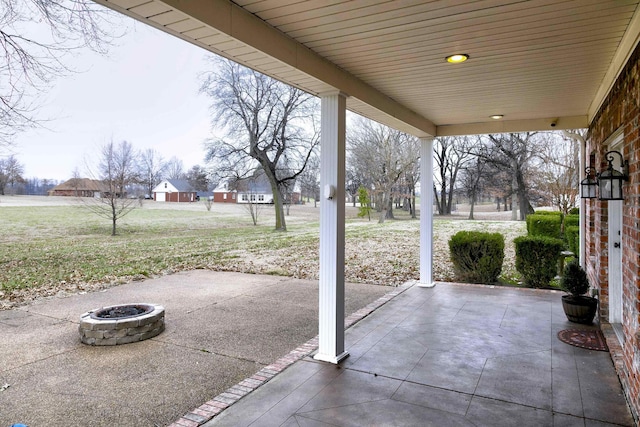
(574, 211)
(574, 279)
(571, 220)
(544, 225)
(537, 259)
(550, 213)
(476, 256)
(572, 237)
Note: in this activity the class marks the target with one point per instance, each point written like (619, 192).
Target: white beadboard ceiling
(534, 61)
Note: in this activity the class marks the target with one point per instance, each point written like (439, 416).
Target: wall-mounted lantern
(610, 180)
(589, 184)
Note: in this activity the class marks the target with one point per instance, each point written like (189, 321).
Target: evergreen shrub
(544, 225)
(574, 211)
(537, 259)
(477, 256)
(572, 237)
(571, 220)
(574, 279)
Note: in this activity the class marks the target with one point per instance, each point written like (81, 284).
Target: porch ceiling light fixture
(496, 116)
(457, 58)
(589, 184)
(610, 180)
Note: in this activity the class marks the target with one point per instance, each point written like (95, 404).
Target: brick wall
(620, 110)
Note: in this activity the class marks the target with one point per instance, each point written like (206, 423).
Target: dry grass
(53, 245)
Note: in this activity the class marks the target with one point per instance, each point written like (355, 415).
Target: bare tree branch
(267, 125)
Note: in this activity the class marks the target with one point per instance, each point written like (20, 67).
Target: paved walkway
(220, 329)
(454, 355)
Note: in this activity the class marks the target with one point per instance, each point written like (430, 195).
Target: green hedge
(544, 225)
(476, 256)
(572, 237)
(537, 259)
(571, 220)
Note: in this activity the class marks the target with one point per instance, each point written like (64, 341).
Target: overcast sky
(145, 91)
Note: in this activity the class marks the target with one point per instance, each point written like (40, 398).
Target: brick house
(79, 187)
(612, 228)
(223, 194)
(174, 190)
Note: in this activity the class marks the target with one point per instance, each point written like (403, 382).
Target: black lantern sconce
(609, 181)
(589, 184)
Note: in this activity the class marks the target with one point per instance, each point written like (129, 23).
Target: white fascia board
(623, 53)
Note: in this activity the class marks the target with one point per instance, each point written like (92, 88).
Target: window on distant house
(253, 197)
(224, 196)
(233, 196)
(245, 198)
(165, 185)
(261, 197)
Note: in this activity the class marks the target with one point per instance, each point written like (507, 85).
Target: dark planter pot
(580, 309)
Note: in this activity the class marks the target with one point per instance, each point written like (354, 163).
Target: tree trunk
(390, 209)
(281, 224)
(114, 218)
(437, 199)
(473, 203)
(383, 207)
(413, 203)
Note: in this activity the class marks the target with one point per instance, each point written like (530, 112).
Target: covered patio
(530, 66)
(454, 355)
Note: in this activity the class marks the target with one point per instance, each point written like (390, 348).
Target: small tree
(365, 203)
(117, 169)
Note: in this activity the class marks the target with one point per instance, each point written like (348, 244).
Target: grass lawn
(49, 249)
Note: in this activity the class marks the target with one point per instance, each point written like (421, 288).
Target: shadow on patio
(453, 355)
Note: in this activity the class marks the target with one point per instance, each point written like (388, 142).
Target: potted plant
(578, 307)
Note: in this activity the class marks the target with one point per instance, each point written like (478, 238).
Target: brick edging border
(210, 409)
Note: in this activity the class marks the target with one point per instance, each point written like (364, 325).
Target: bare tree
(151, 169)
(117, 169)
(31, 56)
(516, 154)
(310, 180)
(11, 171)
(474, 175)
(267, 124)
(450, 155)
(559, 173)
(174, 168)
(384, 154)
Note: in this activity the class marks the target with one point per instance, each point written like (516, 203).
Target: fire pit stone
(121, 324)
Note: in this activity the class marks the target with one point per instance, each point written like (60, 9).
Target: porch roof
(536, 62)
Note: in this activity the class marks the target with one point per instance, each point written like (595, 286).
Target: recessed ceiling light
(497, 116)
(457, 58)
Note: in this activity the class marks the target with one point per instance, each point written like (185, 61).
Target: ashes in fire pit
(122, 311)
(121, 324)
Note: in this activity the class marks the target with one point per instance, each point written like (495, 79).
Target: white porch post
(332, 206)
(426, 213)
(583, 206)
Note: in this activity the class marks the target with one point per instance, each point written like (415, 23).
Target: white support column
(426, 213)
(583, 205)
(332, 207)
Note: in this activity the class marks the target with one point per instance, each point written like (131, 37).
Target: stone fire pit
(121, 324)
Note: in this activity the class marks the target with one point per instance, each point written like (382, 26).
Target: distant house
(256, 189)
(80, 187)
(222, 194)
(174, 190)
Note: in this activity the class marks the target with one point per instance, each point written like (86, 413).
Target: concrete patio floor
(453, 355)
